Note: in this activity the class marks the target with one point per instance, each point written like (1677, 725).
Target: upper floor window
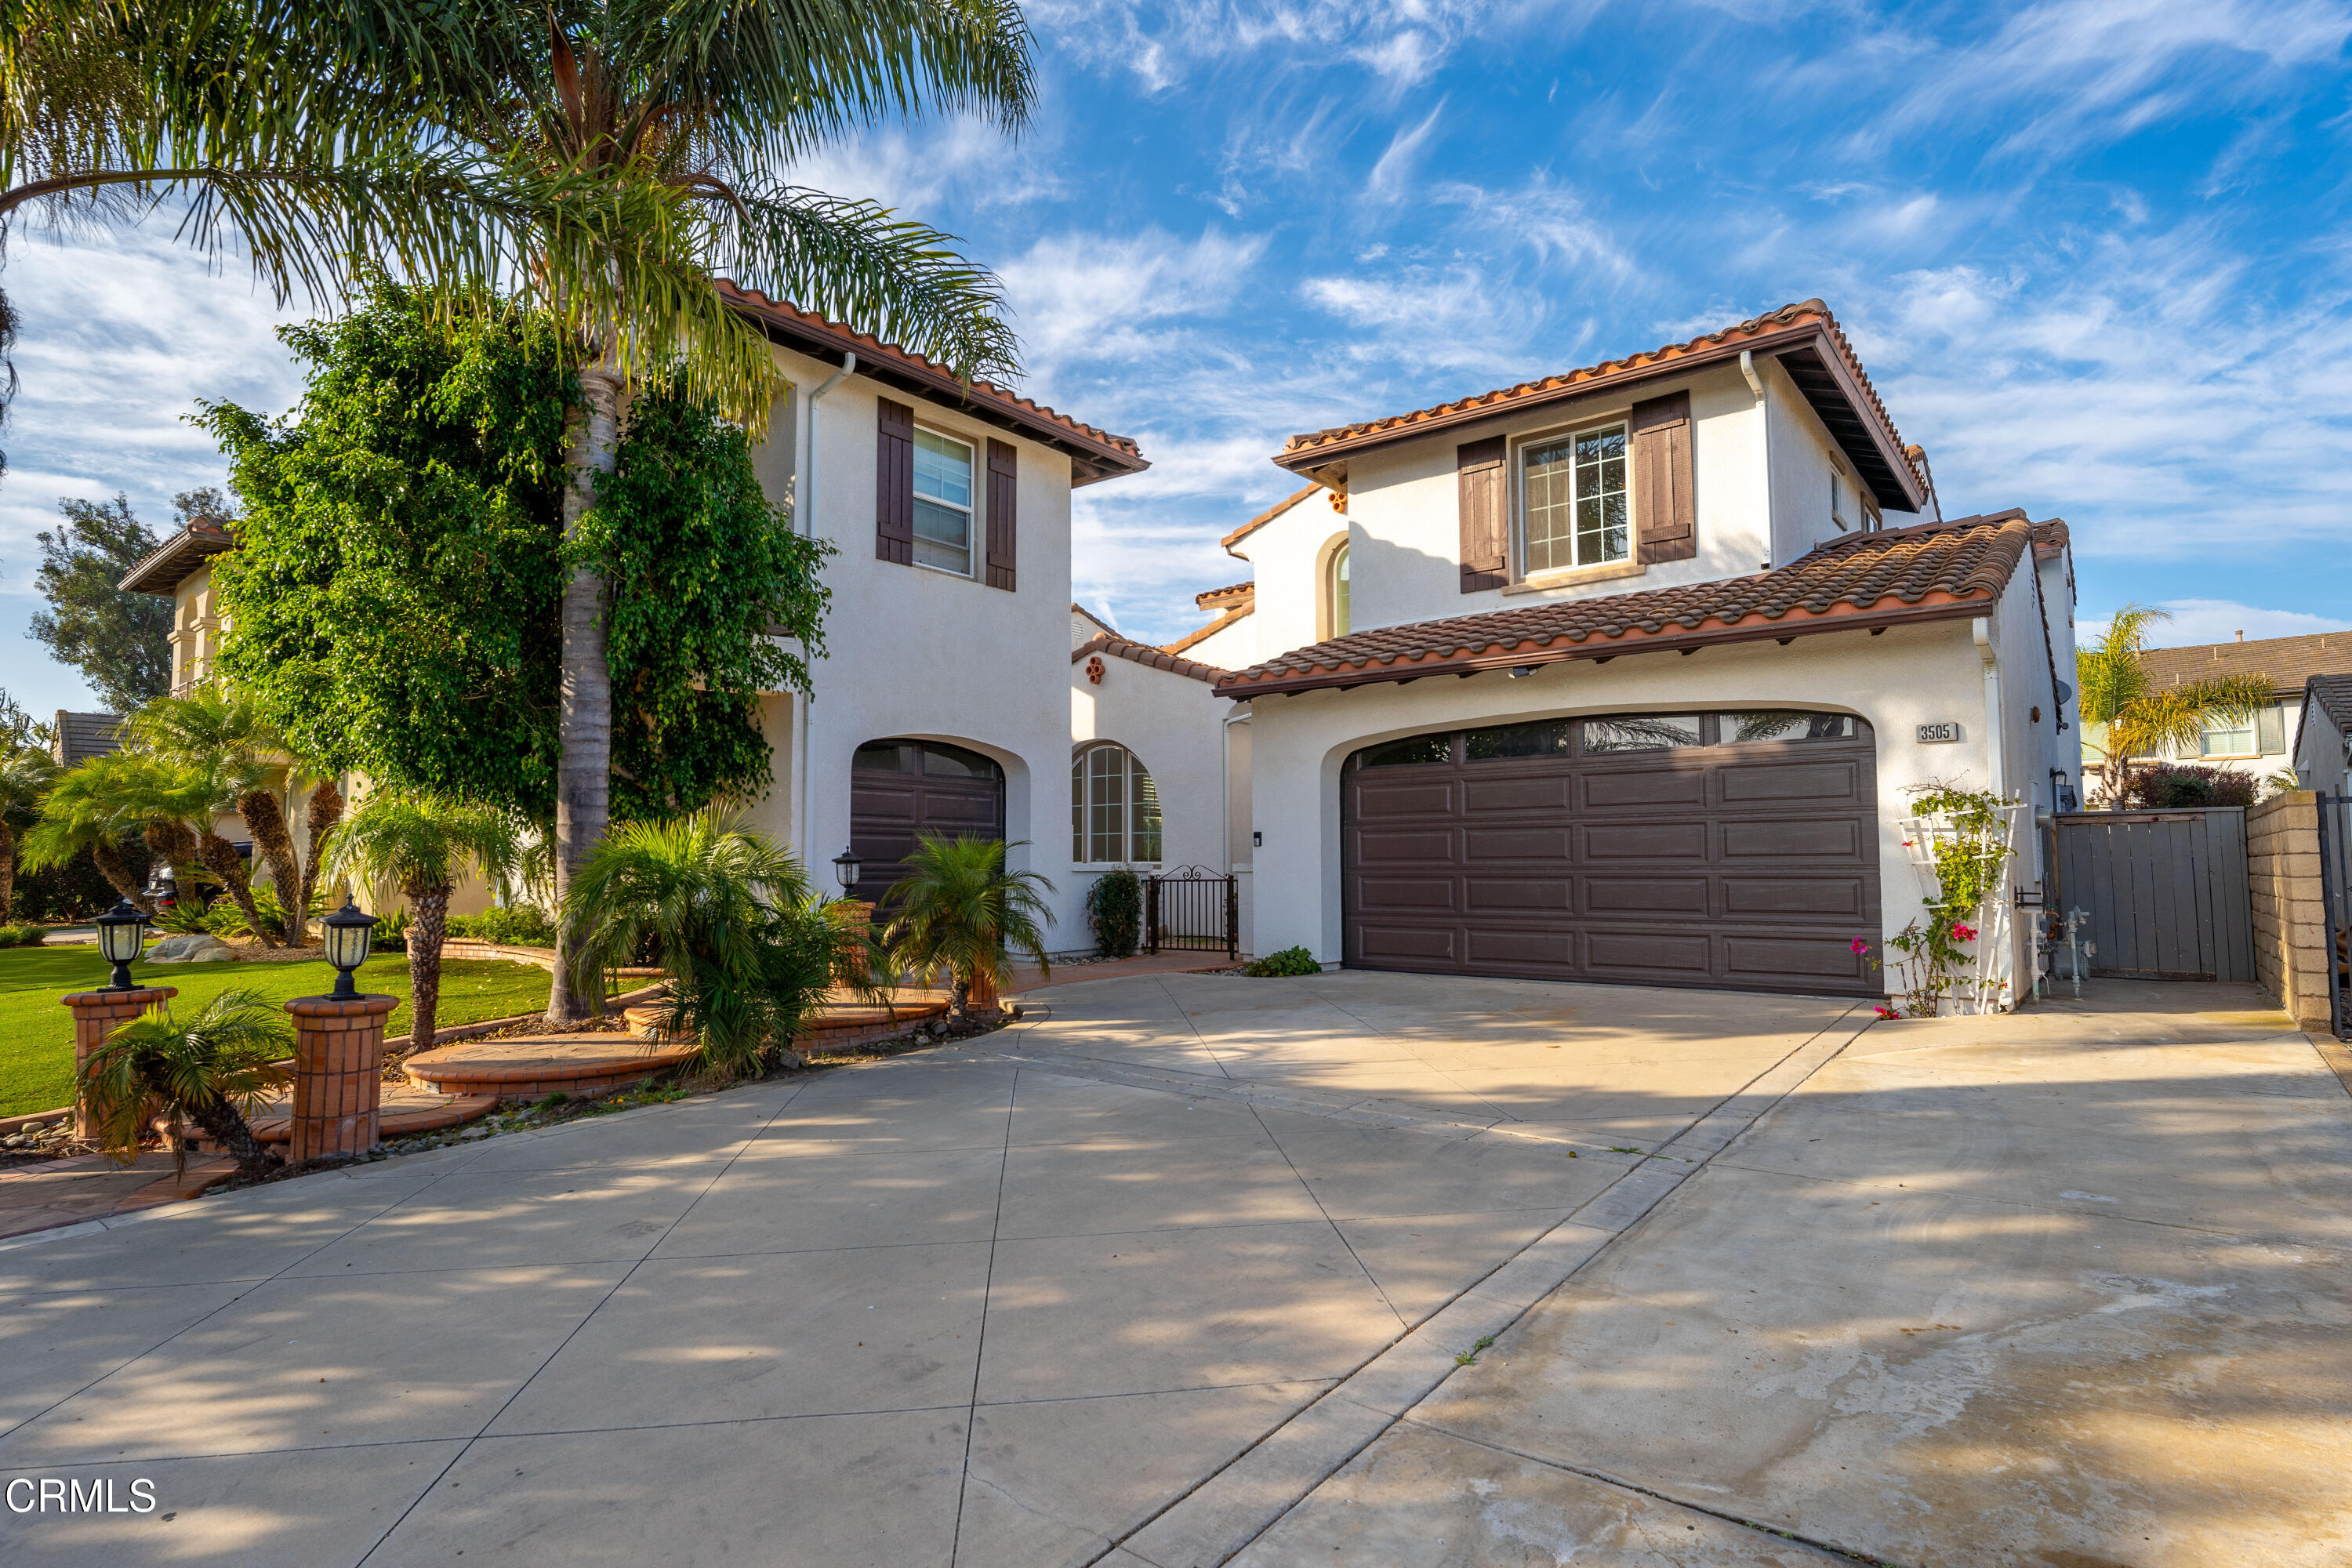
(2259, 734)
(1114, 808)
(1334, 592)
(1573, 502)
(942, 502)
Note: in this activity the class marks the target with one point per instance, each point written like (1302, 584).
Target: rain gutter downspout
(804, 518)
(1980, 629)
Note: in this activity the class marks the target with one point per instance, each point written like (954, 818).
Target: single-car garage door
(1728, 849)
(901, 789)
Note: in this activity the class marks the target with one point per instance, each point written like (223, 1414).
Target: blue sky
(2093, 255)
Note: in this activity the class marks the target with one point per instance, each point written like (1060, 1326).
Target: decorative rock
(195, 947)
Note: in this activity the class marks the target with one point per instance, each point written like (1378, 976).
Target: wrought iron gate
(2166, 892)
(2336, 893)
(1191, 908)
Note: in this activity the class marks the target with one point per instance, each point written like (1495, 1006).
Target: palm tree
(215, 730)
(961, 912)
(425, 844)
(95, 803)
(25, 777)
(2125, 714)
(726, 912)
(214, 1070)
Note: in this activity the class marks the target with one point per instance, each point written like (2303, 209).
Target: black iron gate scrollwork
(1191, 908)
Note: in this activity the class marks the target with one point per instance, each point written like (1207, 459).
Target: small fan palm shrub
(726, 912)
(425, 845)
(26, 776)
(961, 912)
(212, 1069)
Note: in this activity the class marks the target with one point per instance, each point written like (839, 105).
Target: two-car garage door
(1730, 850)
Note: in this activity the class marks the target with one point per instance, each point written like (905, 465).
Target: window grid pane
(1106, 800)
(1549, 498)
(1640, 733)
(1078, 808)
(1601, 531)
(1145, 845)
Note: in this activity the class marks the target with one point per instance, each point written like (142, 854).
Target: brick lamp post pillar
(338, 1075)
(96, 1014)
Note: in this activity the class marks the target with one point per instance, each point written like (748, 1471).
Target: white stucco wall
(1803, 460)
(1906, 676)
(1234, 646)
(919, 653)
(1289, 555)
(1171, 723)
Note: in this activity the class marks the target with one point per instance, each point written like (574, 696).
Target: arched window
(1114, 808)
(1334, 592)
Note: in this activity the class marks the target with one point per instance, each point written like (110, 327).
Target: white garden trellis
(1922, 837)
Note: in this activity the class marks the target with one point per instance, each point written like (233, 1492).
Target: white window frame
(1621, 420)
(2252, 730)
(971, 540)
(1083, 804)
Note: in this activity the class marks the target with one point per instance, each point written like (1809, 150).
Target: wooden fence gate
(2165, 892)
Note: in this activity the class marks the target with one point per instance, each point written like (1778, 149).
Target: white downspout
(804, 518)
(1980, 629)
(1226, 813)
(1763, 411)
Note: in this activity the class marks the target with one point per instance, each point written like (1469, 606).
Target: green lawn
(36, 1034)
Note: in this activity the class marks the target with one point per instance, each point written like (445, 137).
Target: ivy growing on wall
(394, 599)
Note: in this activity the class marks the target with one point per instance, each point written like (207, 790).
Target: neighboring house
(2264, 744)
(2323, 746)
(181, 570)
(1085, 623)
(77, 737)
(1619, 676)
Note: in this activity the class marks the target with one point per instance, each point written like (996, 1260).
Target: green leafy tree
(425, 845)
(2125, 714)
(962, 913)
(25, 780)
(393, 601)
(214, 1070)
(120, 641)
(730, 916)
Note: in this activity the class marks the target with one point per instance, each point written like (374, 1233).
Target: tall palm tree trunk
(220, 858)
(267, 819)
(326, 811)
(583, 771)
(117, 871)
(431, 911)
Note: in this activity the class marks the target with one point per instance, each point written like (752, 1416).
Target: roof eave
(162, 570)
(1935, 606)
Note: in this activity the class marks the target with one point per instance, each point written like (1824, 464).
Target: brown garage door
(1734, 849)
(898, 789)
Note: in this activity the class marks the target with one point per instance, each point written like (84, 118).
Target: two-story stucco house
(939, 703)
(2265, 743)
(1623, 674)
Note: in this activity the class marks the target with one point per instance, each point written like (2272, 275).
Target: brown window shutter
(1665, 511)
(1004, 517)
(1485, 539)
(894, 483)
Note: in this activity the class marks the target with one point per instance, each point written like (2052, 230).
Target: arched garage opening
(1737, 850)
(900, 789)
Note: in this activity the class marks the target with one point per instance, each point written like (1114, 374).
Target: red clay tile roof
(1094, 454)
(2288, 662)
(1230, 591)
(1143, 653)
(1268, 515)
(163, 569)
(1237, 612)
(1785, 331)
(1933, 572)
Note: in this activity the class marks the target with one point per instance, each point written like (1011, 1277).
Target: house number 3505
(1930, 733)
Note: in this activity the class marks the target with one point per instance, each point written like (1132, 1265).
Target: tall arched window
(1334, 592)
(1114, 808)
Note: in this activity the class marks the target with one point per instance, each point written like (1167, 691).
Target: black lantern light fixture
(121, 932)
(348, 933)
(846, 867)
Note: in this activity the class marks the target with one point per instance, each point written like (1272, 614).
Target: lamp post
(846, 868)
(348, 933)
(121, 934)
(338, 1052)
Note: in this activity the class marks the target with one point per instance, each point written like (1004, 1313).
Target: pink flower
(1964, 933)
(1859, 945)
(1884, 1011)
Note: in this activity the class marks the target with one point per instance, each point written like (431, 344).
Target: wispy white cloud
(1399, 42)
(918, 169)
(1081, 297)
(2199, 621)
(1395, 172)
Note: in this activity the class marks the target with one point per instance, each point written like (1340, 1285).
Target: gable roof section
(1203, 634)
(1231, 594)
(1268, 515)
(1155, 659)
(1934, 571)
(163, 569)
(1081, 616)
(2289, 662)
(1094, 454)
(1805, 338)
(77, 737)
(2332, 694)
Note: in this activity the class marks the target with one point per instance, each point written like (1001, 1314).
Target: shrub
(2174, 786)
(31, 935)
(1289, 960)
(184, 918)
(224, 918)
(1114, 910)
(7, 936)
(515, 925)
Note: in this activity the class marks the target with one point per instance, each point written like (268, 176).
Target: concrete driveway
(1183, 1267)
